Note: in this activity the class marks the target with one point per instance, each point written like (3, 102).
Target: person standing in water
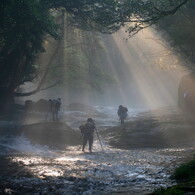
(56, 103)
(87, 131)
(122, 113)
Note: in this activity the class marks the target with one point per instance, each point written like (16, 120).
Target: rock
(186, 93)
(42, 105)
(29, 104)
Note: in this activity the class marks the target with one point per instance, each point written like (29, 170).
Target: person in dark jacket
(122, 113)
(55, 106)
(87, 131)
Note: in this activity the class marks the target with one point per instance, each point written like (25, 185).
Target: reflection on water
(72, 172)
(146, 169)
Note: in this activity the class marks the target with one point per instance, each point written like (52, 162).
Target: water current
(72, 172)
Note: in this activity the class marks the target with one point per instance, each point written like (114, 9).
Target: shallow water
(102, 172)
(71, 172)
(106, 116)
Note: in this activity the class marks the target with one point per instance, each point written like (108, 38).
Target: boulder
(42, 105)
(186, 93)
(28, 104)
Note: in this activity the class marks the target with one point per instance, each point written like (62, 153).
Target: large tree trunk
(14, 73)
(6, 101)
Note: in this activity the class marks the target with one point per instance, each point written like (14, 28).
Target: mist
(146, 73)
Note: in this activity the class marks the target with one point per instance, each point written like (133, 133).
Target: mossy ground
(185, 176)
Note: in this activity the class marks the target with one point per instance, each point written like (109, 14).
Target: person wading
(87, 131)
(122, 113)
(56, 103)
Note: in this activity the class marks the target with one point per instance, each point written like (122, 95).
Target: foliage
(178, 31)
(109, 15)
(25, 23)
(185, 174)
(168, 191)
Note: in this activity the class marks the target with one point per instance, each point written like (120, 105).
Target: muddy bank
(166, 127)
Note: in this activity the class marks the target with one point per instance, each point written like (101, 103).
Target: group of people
(89, 128)
(55, 105)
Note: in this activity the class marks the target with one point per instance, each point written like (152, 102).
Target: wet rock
(42, 106)
(187, 84)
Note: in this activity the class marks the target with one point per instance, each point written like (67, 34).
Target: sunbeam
(157, 87)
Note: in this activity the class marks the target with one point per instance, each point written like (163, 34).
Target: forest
(93, 58)
(26, 27)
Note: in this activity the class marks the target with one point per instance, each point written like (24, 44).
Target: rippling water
(135, 171)
(112, 171)
(106, 116)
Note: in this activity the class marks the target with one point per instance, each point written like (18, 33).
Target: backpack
(87, 128)
(57, 105)
(125, 109)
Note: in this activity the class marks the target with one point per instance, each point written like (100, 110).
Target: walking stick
(99, 139)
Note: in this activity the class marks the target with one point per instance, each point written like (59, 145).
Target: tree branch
(16, 94)
(38, 89)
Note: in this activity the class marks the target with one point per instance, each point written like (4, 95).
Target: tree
(24, 24)
(178, 31)
(108, 16)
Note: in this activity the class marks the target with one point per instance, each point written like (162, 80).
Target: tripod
(99, 139)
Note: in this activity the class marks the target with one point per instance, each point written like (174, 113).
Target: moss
(168, 191)
(185, 172)
(185, 175)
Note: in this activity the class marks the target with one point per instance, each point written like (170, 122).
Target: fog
(146, 72)
(150, 71)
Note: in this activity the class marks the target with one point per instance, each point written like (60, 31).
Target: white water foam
(23, 145)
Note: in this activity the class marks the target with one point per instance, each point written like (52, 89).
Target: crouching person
(87, 131)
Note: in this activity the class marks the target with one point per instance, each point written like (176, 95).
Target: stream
(43, 170)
